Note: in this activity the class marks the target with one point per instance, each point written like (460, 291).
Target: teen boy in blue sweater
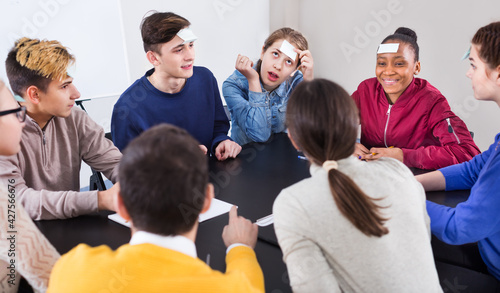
(174, 91)
(477, 219)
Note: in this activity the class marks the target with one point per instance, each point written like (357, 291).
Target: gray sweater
(325, 252)
(47, 169)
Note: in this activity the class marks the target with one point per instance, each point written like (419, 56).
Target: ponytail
(355, 205)
(323, 121)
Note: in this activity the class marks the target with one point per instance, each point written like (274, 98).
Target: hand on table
(377, 153)
(360, 150)
(227, 149)
(239, 230)
(203, 149)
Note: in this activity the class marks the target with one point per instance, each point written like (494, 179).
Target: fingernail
(359, 157)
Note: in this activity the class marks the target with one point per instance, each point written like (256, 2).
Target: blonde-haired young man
(56, 137)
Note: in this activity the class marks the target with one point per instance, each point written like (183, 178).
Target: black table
(252, 181)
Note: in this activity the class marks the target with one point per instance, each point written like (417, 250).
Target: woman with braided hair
(405, 117)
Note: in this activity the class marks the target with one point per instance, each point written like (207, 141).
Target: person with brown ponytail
(353, 226)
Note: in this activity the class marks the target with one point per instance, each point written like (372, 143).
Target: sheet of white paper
(217, 208)
(117, 218)
(287, 49)
(388, 48)
(187, 35)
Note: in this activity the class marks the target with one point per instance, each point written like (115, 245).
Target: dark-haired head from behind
(163, 178)
(407, 36)
(322, 121)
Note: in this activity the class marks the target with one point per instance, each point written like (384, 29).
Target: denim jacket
(255, 116)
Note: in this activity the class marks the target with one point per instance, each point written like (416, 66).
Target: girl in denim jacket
(257, 95)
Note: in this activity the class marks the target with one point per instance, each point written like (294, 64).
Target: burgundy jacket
(421, 123)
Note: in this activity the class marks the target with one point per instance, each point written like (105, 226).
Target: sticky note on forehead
(71, 71)
(466, 55)
(287, 49)
(18, 98)
(387, 48)
(187, 35)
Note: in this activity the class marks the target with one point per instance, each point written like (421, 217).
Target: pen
(302, 158)
(391, 147)
(374, 154)
(266, 218)
(265, 221)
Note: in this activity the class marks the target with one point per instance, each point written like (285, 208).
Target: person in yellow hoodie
(163, 188)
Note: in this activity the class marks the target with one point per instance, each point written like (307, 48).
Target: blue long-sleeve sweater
(196, 108)
(478, 218)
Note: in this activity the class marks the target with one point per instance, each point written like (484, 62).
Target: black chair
(459, 279)
(227, 112)
(95, 182)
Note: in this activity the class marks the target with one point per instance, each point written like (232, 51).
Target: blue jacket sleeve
(249, 110)
(476, 218)
(465, 175)
(221, 123)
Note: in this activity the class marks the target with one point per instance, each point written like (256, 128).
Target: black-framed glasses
(20, 113)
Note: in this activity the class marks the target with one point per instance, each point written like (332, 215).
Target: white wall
(104, 36)
(91, 29)
(225, 28)
(222, 30)
(444, 30)
(228, 27)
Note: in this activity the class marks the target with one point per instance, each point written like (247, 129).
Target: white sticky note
(117, 218)
(217, 208)
(388, 48)
(19, 98)
(466, 55)
(71, 70)
(287, 49)
(187, 35)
